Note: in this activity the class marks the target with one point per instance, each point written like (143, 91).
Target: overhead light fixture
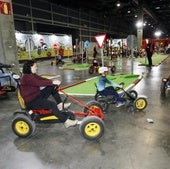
(139, 24)
(158, 7)
(158, 33)
(118, 4)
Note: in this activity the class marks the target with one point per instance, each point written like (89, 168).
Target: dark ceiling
(156, 13)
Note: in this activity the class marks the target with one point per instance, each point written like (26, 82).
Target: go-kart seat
(23, 106)
(21, 100)
(51, 117)
(98, 93)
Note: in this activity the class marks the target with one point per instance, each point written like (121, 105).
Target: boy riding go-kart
(109, 95)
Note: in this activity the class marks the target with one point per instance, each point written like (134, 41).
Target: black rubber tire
(92, 128)
(140, 103)
(23, 126)
(163, 88)
(133, 93)
(91, 70)
(113, 69)
(91, 104)
(104, 104)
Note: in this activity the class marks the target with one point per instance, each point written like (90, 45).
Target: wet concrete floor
(129, 142)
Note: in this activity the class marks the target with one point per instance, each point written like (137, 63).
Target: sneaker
(66, 106)
(119, 104)
(70, 123)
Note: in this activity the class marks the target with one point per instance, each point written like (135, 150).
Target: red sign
(5, 8)
(55, 46)
(100, 39)
(41, 41)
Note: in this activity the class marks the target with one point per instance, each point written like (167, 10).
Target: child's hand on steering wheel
(121, 85)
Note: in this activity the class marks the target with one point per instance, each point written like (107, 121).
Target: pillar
(139, 37)
(140, 29)
(8, 49)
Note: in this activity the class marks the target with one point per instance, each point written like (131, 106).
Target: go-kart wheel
(133, 94)
(92, 104)
(130, 108)
(113, 69)
(140, 103)
(163, 88)
(23, 126)
(91, 70)
(92, 128)
(97, 95)
(104, 104)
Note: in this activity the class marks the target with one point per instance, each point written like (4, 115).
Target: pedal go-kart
(94, 69)
(57, 61)
(131, 97)
(91, 124)
(165, 85)
(4, 89)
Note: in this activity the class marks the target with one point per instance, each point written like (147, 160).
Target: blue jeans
(109, 91)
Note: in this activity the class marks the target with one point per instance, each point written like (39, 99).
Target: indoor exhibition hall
(84, 85)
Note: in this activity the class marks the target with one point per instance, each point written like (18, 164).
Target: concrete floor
(129, 142)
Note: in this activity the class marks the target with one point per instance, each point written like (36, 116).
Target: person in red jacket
(149, 51)
(36, 90)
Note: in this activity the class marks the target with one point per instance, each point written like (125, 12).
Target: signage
(100, 39)
(5, 8)
(87, 44)
(55, 46)
(131, 41)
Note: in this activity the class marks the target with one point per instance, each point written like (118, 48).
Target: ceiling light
(139, 24)
(118, 4)
(158, 7)
(158, 33)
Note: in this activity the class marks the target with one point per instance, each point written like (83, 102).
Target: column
(140, 28)
(8, 54)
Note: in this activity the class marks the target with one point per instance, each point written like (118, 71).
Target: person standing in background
(149, 51)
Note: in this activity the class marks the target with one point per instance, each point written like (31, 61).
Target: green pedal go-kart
(91, 124)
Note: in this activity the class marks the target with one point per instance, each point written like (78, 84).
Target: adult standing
(149, 51)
